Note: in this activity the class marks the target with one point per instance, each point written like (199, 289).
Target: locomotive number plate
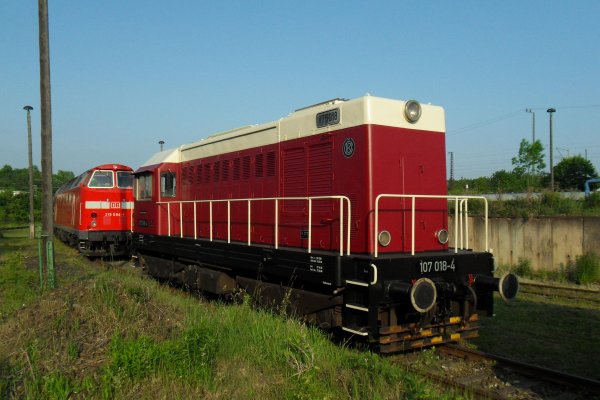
(329, 117)
(426, 267)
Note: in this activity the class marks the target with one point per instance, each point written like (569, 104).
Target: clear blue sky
(126, 74)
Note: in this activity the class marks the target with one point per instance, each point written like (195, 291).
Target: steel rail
(531, 370)
(588, 296)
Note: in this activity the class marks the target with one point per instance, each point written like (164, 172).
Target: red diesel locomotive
(340, 208)
(94, 211)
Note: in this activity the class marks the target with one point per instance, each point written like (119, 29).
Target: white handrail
(249, 201)
(459, 208)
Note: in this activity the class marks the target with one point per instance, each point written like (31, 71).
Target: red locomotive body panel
(383, 160)
(94, 210)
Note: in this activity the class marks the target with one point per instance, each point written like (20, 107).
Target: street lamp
(529, 110)
(551, 111)
(161, 142)
(31, 220)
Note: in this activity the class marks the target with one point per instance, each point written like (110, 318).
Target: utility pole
(529, 110)
(551, 111)
(47, 248)
(30, 153)
(161, 142)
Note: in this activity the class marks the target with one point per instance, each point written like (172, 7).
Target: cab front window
(124, 179)
(102, 179)
(143, 186)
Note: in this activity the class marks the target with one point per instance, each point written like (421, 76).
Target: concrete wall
(546, 242)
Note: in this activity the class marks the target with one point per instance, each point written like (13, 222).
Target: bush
(586, 269)
(592, 201)
(523, 268)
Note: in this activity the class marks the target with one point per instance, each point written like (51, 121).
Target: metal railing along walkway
(343, 200)
(461, 210)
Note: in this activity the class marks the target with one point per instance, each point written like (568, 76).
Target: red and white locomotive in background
(94, 211)
(341, 208)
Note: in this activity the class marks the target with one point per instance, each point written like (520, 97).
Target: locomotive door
(320, 183)
(412, 171)
(308, 172)
(419, 177)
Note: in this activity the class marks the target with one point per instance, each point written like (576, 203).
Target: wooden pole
(47, 253)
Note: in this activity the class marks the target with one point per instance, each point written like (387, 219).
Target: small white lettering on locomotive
(426, 267)
(316, 264)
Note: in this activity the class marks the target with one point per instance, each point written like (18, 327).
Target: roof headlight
(412, 111)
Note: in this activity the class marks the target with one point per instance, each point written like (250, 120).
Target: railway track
(564, 292)
(495, 377)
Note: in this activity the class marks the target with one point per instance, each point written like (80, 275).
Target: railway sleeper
(409, 338)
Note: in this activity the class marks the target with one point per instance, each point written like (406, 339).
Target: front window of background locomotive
(124, 179)
(102, 179)
(168, 184)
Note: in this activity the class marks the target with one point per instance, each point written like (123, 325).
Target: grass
(112, 333)
(536, 330)
(109, 332)
(584, 271)
(549, 204)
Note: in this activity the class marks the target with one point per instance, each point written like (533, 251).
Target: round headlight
(442, 236)
(412, 111)
(384, 238)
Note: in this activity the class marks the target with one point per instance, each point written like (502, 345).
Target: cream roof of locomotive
(166, 156)
(301, 123)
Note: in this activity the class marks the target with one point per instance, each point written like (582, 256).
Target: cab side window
(143, 186)
(168, 184)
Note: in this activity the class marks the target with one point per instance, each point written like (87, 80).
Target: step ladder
(357, 308)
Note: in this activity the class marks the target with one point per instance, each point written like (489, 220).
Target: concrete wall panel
(546, 242)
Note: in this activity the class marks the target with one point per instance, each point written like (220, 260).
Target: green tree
(530, 159)
(572, 172)
(14, 208)
(508, 181)
(61, 177)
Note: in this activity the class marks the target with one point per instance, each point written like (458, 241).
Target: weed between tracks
(539, 331)
(113, 333)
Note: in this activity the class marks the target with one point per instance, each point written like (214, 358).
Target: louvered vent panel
(246, 168)
(258, 168)
(199, 174)
(236, 169)
(294, 180)
(271, 163)
(320, 176)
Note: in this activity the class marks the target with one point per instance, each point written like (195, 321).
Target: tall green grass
(548, 204)
(19, 285)
(586, 269)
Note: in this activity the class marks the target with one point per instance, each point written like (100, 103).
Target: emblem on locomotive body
(348, 147)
